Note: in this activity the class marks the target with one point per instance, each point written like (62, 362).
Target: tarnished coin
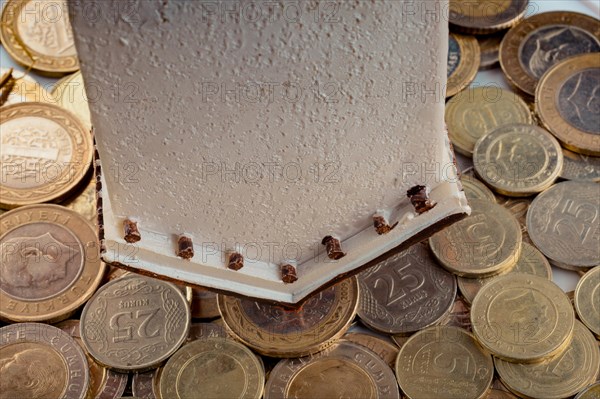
(50, 263)
(518, 160)
(26, 89)
(580, 167)
(564, 223)
(41, 361)
(474, 189)
(459, 316)
(37, 34)
(479, 111)
(587, 300)
(489, 46)
(146, 385)
(567, 102)
(406, 292)
(531, 261)
(591, 392)
(382, 348)
(537, 43)
(204, 304)
(559, 377)
(84, 202)
(104, 383)
(485, 16)
(444, 362)
(484, 244)
(206, 330)
(463, 62)
(44, 153)
(522, 318)
(212, 368)
(278, 331)
(70, 94)
(135, 323)
(346, 370)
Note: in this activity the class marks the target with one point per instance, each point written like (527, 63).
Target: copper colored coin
(459, 316)
(489, 45)
(145, 385)
(381, 347)
(204, 304)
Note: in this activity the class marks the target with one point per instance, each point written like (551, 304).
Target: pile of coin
(470, 313)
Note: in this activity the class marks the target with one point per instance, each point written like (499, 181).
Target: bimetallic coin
(37, 34)
(44, 153)
(591, 392)
(463, 62)
(213, 368)
(104, 383)
(518, 160)
(134, 323)
(477, 112)
(39, 361)
(50, 263)
(567, 102)
(204, 304)
(484, 244)
(346, 370)
(580, 167)
(277, 331)
(489, 45)
(484, 16)
(587, 300)
(474, 189)
(559, 377)
(444, 362)
(406, 292)
(537, 43)
(459, 316)
(382, 348)
(531, 261)
(564, 223)
(70, 94)
(522, 318)
(26, 89)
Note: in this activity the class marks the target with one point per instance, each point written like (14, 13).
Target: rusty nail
(185, 247)
(288, 273)
(419, 198)
(132, 234)
(236, 261)
(381, 224)
(333, 247)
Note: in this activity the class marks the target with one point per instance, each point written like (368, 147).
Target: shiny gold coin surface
(277, 331)
(523, 318)
(484, 244)
(580, 167)
(345, 370)
(213, 368)
(564, 223)
(463, 62)
(70, 94)
(591, 392)
(531, 261)
(406, 292)
(382, 348)
(518, 160)
(475, 189)
(566, 102)
(587, 300)
(44, 153)
(489, 46)
(26, 89)
(39, 361)
(537, 43)
(135, 323)
(479, 111)
(37, 34)
(485, 16)
(561, 376)
(204, 304)
(50, 263)
(428, 365)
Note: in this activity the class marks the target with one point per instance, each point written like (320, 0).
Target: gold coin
(44, 153)
(204, 304)
(559, 377)
(134, 323)
(537, 43)
(382, 348)
(277, 331)
(41, 361)
(474, 189)
(499, 391)
(444, 362)
(518, 160)
(70, 94)
(564, 223)
(522, 318)
(212, 368)
(587, 300)
(518, 207)
(580, 167)
(37, 34)
(484, 16)
(459, 316)
(484, 244)
(146, 385)
(477, 112)
(531, 261)
(26, 89)
(84, 203)
(50, 263)
(463, 62)
(566, 102)
(489, 45)
(591, 392)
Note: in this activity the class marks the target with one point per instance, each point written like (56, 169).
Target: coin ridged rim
(506, 19)
(319, 337)
(508, 185)
(566, 174)
(582, 295)
(478, 188)
(534, 352)
(14, 46)
(509, 48)
(588, 390)
(468, 66)
(546, 94)
(62, 185)
(79, 291)
(360, 338)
